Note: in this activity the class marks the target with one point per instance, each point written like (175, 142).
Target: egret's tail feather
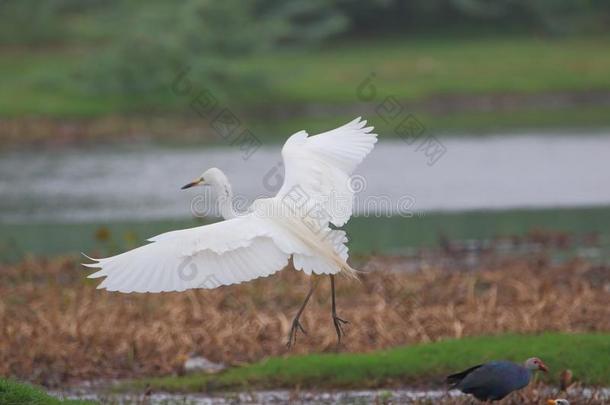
(351, 272)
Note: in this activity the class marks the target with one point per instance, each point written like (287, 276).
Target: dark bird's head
(535, 364)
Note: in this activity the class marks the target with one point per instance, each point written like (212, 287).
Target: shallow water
(142, 181)
(402, 396)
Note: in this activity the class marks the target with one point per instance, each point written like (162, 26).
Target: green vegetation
(588, 118)
(394, 234)
(375, 235)
(44, 82)
(60, 21)
(14, 393)
(417, 68)
(421, 363)
(281, 65)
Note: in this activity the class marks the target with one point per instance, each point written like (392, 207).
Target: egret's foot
(294, 329)
(296, 324)
(338, 322)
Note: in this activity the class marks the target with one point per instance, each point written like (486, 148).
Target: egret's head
(212, 176)
(558, 402)
(535, 363)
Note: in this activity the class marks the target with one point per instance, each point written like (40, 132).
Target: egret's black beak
(192, 184)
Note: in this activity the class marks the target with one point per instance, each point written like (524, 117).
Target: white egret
(296, 224)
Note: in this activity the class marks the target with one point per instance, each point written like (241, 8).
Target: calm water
(142, 182)
(54, 202)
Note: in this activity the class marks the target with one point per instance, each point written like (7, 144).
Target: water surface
(142, 182)
(399, 396)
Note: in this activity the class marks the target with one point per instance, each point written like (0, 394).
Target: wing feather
(223, 253)
(319, 167)
(251, 246)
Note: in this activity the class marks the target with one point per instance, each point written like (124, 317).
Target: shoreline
(443, 113)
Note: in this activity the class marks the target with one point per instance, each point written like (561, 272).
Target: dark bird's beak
(192, 184)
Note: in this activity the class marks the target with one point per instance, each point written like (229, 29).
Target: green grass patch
(44, 81)
(584, 354)
(374, 235)
(412, 68)
(14, 393)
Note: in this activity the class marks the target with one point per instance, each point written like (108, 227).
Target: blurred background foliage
(139, 46)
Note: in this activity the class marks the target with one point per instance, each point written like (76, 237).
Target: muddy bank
(532, 395)
(187, 126)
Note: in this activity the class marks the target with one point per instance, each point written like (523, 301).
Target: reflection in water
(142, 182)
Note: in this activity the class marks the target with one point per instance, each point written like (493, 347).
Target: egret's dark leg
(296, 324)
(338, 322)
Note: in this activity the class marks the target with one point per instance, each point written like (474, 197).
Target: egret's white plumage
(260, 242)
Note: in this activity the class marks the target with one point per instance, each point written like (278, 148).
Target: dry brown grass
(55, 327)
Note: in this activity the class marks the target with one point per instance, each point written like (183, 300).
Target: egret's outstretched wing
(318, 167)
(257, 244)
(222, 253)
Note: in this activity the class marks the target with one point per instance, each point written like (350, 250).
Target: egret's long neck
(225, 199)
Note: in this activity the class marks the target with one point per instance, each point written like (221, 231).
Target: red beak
(543, 367)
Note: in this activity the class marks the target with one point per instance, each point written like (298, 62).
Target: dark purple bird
(494, 380)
